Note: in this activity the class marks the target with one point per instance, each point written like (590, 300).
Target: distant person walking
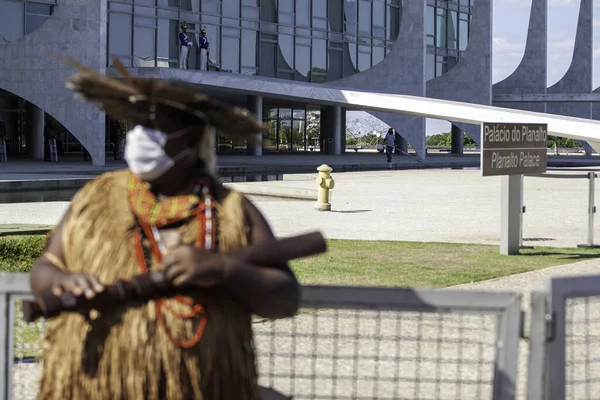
(48, 135)
(204, 50)
(390, 144)
(184, 47)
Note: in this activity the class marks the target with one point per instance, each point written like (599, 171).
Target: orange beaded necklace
(152, 214)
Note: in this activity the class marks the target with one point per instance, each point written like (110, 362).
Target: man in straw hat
(167, 210)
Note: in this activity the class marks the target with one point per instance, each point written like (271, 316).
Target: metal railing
(588, 174)
(347, 343)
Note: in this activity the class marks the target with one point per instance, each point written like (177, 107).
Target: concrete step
(24, 229)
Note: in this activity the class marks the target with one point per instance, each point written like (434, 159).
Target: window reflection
(364, 18)
(378, 13)
(319, 55)
(447, 34)
(440, 27)
(286, 129)
(430, 20)
(364, 61)
(209, 7)
(392, 22)
(286, 48)
(249, 48)
(39, 9)
(350, 12)
(298, 39)
(298, 135)
(463, 33)
(335, 17)
(335, 63)
(119, 38)
(350, 59)
(268, 59)
(452, 30)
(286, 6)
(33, 22)
(302, 63)
(319, 8)
(175, 3)
(168, 31)
(143, 42)
(11, 21)
(231, 57)
(231, 8)
(378, 55)
(303, 12)
(19, 18)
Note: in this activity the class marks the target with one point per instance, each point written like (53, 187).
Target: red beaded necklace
(153, 214)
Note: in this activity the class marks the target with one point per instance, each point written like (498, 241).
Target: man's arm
(45, 270)
(267, 291)
(50, 273)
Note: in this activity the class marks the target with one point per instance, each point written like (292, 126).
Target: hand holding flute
(154, 285)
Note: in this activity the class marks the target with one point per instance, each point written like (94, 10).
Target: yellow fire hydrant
(326, 183)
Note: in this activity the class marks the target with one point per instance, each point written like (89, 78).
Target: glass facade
(286, 129)
(305, 40)
(19, 18)
(447, 29)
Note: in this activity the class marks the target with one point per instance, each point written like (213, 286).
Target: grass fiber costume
(176, 349)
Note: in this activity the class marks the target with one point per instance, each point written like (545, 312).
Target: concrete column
(337, 131)
(457, 140)
(35, 131)
(254, 147)
(324, 130)
(344, 130)
(332, 130)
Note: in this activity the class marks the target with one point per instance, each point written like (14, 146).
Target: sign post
(511, 151)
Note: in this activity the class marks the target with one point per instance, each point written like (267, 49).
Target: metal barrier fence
(567, 352)
(347, 343)
(365, 343)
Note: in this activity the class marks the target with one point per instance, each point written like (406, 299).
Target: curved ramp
(29, 69)
(455, 111)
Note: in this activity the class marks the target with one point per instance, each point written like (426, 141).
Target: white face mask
(145, 152)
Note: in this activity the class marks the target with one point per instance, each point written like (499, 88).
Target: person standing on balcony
(204, 50)
(184, 47)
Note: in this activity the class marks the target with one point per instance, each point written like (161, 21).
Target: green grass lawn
(395, 264)
(367, 263)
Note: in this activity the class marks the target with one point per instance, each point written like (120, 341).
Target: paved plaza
(408, 205)
(412, 205)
